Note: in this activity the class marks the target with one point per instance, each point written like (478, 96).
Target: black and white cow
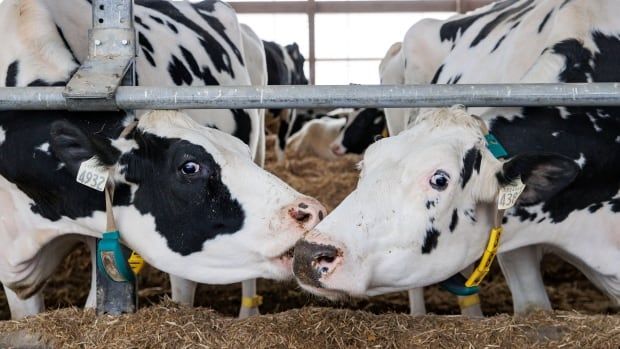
(339, 132)
(361, 130)
(179, 198)
(195, 44)
(422, 208)
(285, 66)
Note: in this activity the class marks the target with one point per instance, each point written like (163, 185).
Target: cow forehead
(177, 125)
(437, 138)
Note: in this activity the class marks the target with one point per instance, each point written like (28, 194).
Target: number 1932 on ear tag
(509, 194)
(92, 174)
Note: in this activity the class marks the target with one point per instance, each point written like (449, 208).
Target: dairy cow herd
(189, 188)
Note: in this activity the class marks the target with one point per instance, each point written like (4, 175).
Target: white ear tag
(92, 174)
(509, 194)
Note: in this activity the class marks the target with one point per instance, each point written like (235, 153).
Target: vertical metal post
(312, 41)
(110, 63)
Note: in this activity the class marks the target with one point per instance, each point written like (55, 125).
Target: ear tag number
(92, 174)
(509, 194)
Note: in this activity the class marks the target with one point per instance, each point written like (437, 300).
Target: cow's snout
(306, 213)
(312, 261)
(337, 149)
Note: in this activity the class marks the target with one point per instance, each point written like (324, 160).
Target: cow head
(362, 128)
(299, 77)
(196, 204)
(422, 209)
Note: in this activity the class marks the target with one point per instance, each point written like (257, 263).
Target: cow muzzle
(313, 262)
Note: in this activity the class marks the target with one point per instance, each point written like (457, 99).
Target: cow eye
(439, 181)
(190, 168)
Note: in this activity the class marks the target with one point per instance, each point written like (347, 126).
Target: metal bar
(390, 96)
(348, 59)
(110, 63)
(356, 6)
(312, 42)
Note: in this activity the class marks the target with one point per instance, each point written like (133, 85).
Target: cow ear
(544, 175)
(73, 146)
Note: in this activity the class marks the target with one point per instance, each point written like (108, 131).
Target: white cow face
(421, 210)
(199, 207)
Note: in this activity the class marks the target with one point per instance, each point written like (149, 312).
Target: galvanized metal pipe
(395, 96)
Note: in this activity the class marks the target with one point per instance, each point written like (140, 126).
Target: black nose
(311, 261)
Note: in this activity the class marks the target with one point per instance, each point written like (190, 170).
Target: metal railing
(390, 96)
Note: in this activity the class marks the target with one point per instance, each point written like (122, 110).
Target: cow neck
(484, 265)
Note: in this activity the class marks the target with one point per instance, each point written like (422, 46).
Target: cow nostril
(325, 259)
(300, 216)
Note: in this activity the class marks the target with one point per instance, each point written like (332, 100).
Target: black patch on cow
(243, 125)
(499, 42)
(451, 29)
(11, 74)
(615, 205)
(577, 58)
(188, 211)
(139, 21)
(541, 220)
(471, 160)
(43, 83)
(564, 3)
(361, 132)
(519, 15)
(541, 26)
(66, 43)
(531, 131)
(497, 20)
(157, 19)
(204, 73)
(430, 204)
(53, 190)
(298, 77)
(470, 213)
(437, 74)
(524, 215)
(456, 79)
(208, 5)
(179, 73)
(454, 220)
(217, 25)
(147, 48)
(172, 27)
(595, 207)
(216, 52)
(430, 240)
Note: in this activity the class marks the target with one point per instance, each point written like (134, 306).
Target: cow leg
(91, 301)
(183, 290)
(521, 267)
(249, 303)
(287, 118)
(416, 302)
(20, 308)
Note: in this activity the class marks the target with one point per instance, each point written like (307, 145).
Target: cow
(362, 128)
(285, 66)
(437, 183)
(208, 47)
(45, 212)
(339, 132)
